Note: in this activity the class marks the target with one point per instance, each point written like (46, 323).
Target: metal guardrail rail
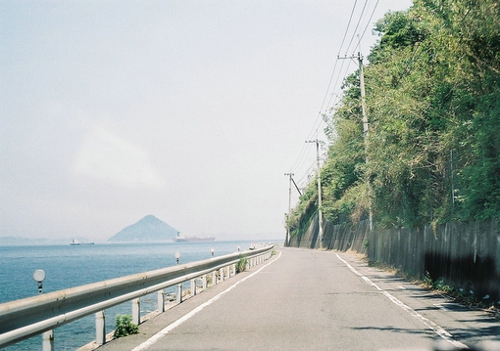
(25, 318)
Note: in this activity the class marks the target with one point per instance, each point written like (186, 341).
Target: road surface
(313, 300)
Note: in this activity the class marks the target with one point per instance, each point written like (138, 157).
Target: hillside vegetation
(433, 103)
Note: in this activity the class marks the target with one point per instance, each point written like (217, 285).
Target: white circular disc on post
(39, 275)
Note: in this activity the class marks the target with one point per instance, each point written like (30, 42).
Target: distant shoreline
(63, 242)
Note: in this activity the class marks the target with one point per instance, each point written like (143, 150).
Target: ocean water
(68, 266)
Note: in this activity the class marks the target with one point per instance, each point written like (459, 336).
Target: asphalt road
(313, 300)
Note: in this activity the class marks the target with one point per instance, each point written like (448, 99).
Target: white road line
(428, 323)
(181, 320)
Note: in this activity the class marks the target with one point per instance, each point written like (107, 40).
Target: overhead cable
(369, 21)
(357, 25)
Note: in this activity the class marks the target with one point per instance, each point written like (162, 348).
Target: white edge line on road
(428, 323)
(181, 320)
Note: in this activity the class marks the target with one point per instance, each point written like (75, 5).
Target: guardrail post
(214, 278)
(136, 311)
(100, 328)
(161, 301)
(48, 340)
(234, 269)
(228, 272)
(179, 293)
(193, 287)
(204, 282)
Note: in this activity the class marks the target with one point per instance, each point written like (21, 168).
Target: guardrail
(25, 318)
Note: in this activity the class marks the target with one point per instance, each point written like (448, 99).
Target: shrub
(241, 266)
(124, 326)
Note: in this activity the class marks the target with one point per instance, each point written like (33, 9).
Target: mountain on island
(148, 229)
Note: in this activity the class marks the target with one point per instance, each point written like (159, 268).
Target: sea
(68, 266)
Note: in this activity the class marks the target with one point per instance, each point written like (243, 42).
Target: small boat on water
(76, 242)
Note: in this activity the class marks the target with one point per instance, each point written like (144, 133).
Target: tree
(433, 97)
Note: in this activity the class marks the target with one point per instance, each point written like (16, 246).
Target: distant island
(20, 241)
(148, 229)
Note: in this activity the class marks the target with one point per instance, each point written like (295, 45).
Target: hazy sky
(188, 110)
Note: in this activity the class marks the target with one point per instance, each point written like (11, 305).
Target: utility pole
(289, 206)
(365, 122)
(290, 200)
(363, 97)
(320, 213)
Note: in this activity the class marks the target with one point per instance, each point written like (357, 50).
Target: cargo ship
(184, 239)
(76, 242)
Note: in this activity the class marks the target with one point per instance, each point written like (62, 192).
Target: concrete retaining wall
(464, 255)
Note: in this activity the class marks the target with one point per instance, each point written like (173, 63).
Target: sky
(192, 111)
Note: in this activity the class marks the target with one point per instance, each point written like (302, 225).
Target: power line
(307, 173)
(323, 109)
(369, 21)
(357, 25)
(302, 158)
(335, 86)
(336, 61)
(348, 25)
(339, 77)
(333, 91)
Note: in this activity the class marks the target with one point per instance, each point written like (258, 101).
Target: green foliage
(124, 326)
(397, 30)
(302, 215)
(427, 280)
(433, 98)
(241, 266)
